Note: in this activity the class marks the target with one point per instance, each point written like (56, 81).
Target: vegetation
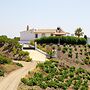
(19, 64)
(4, 60)
(51, 74)
(63, 40)
(1, 72)
(73, 54)
(85, 36)
(79, 32)
(12, 49)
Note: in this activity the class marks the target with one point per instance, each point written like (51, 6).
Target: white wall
(46, 34)
(27, 35)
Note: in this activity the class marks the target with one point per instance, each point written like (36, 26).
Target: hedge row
(62, 39)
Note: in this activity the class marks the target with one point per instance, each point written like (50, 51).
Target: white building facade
(31, 34)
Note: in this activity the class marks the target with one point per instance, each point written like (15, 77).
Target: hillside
(10, 50)
(51, 75)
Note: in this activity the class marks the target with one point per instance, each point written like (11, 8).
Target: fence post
(35, 45)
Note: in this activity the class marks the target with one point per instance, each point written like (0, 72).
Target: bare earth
(12, 81)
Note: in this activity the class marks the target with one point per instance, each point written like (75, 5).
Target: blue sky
(67, 14)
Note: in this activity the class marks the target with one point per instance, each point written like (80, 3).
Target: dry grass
(9, 67)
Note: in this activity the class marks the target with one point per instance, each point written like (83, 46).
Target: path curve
(12, 81)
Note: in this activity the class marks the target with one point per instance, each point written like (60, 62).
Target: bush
(1, 72)
(24, 80)
(23, 53)
(63, 40)
(71, 74)
(59, 48)
(76, 55)
(81, 53)
(70, 55)
(86, 60)
(19, 64)
(4, 60)
(28, 59)
(32, 42)
(72, 69)
(86, 53)
(43, 85)
(75, 49)
(87, 57)
(88, 45)
(81, 50)
(85, 49)
(63, 50)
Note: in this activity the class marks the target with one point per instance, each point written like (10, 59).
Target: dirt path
(36, 55)
(13, 79)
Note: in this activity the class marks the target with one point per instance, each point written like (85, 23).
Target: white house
(31, 34)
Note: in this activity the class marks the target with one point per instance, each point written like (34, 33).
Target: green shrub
(32, 42)
(63, 50)
(75, 49)
(70, 55)
(86, 53)
(70, 49)
(79, 46)
(19, 64)
(59, 48)
(86, 60)
(85, 49)
(28, 59)
(50, 53)
(72, 69)
(43, 45)
(1, 72)
(63, 40)
(71, 74)
(87, 57)
(84, 88)
(43, 85)
(88, 45)
(76, 55)
(23, 53)
(85, 46)
(80, 53)
(77, 85)
(52, 83)
(70, 52)
(80, 70)
(69, 82)
(4, 60)
(81, 50)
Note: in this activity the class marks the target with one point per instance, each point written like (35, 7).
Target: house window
(36, 35)
(43, 34)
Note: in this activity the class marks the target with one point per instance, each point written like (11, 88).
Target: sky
(15, 15)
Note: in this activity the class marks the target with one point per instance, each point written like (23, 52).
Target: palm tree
(79, 32)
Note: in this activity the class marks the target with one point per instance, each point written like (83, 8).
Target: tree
(79, 32)
(85, 36)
